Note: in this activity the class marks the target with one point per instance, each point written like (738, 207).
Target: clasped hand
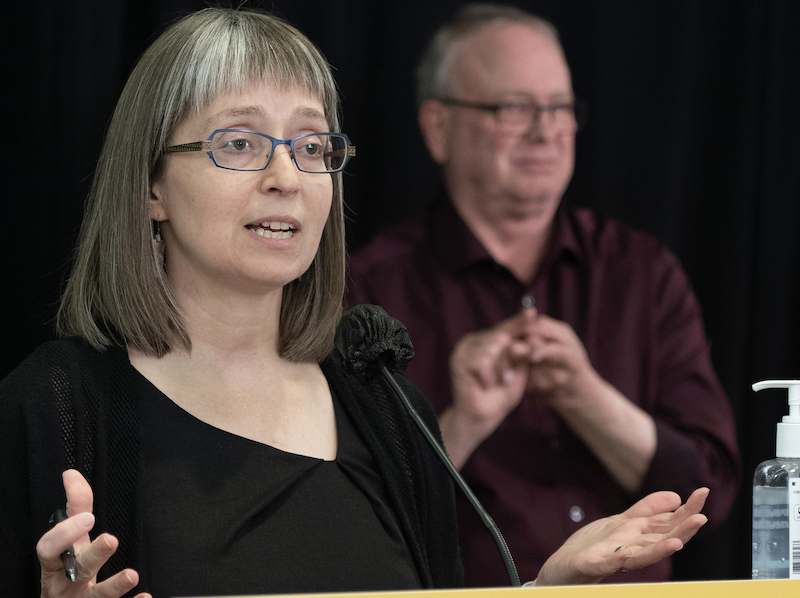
(90, 555)
(492, 369)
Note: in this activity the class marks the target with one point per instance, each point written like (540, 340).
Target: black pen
(68, 556)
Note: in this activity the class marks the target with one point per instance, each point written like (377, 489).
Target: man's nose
(543, 124)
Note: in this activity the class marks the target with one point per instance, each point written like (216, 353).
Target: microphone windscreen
(367, 336)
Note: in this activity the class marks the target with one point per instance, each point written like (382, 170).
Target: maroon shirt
(632, 306)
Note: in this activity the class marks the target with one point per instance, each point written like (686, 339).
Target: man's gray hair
(433, 72)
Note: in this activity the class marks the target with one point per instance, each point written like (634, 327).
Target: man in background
(564, 352)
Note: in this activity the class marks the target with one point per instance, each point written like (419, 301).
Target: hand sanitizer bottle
(776, 496)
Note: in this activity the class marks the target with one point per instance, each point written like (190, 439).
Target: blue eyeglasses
(240, 149)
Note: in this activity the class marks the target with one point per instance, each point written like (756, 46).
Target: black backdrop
(693, 135)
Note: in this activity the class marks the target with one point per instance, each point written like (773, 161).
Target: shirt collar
(451, 239)
(457, 248)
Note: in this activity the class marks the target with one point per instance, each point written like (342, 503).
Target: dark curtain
(693, 135)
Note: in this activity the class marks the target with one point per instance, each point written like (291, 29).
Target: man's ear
(434, 124)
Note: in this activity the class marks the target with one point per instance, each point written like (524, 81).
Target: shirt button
(554, 444)
(528, 301)
(576, 514)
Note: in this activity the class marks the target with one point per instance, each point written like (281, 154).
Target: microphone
(375, 344)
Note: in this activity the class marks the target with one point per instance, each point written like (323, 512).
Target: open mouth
(272, 230)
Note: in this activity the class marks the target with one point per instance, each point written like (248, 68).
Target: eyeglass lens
(522, 116)
(244, 150)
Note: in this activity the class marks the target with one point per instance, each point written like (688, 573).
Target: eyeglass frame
(205, 145)
(578, 108)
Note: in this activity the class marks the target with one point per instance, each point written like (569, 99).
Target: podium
(777, 588)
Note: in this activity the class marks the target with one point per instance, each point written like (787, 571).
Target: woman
(195, 406)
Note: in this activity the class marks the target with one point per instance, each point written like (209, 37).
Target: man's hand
(489, 371)
(620, 434)
(560, 369)
(492, 369)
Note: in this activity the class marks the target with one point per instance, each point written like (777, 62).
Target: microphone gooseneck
(373, 343)
(505, 553)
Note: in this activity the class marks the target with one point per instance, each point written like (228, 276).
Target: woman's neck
(234, 379)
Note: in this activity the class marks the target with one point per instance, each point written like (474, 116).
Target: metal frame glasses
(520, 115)
(242, 149)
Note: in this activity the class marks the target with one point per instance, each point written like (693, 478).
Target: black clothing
(69, 405)
(209, 516)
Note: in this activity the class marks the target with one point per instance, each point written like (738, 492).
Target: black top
(69, 405)
(256, 519)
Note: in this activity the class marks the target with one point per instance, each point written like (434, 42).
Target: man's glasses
(519, 116)
(240, 149)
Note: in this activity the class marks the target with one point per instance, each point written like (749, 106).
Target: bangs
(232, 54)
(119, 292)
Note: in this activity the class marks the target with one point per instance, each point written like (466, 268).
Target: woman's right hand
(89, 556)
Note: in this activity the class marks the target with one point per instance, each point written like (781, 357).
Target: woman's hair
(433, 72)
(118, 291)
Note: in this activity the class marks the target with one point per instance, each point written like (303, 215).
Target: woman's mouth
(272, 230)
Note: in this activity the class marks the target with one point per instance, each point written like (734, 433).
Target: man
(580, 376)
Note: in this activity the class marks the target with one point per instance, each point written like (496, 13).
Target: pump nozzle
(787, 440)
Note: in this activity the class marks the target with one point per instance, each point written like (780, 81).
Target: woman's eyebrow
(234, 112)
(310, 113)
(301, 112)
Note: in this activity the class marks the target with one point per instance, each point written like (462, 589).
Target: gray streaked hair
(433, 72)
(118, 291)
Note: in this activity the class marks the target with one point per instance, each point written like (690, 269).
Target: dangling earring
(158, 245)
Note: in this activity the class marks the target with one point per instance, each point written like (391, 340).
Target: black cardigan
(69, 405)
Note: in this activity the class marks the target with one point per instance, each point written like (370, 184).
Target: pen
(68, 556)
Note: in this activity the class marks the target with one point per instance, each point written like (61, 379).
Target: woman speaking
(194, 418)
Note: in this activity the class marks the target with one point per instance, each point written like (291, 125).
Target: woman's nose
(281, 172)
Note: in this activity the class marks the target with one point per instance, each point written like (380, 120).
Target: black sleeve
(30, 445)
(441, 525)
(417, 484)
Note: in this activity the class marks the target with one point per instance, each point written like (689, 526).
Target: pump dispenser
(776, 496)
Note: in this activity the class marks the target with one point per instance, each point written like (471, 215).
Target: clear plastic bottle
(776, 497)
(771, 521)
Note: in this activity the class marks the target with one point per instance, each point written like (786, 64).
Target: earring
(158, 245)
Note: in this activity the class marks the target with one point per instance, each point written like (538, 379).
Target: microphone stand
(505, 553)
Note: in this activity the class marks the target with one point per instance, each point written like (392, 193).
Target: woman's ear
(158, 207)
(434, 122)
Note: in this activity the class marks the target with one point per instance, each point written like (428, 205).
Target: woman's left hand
(655, 527)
